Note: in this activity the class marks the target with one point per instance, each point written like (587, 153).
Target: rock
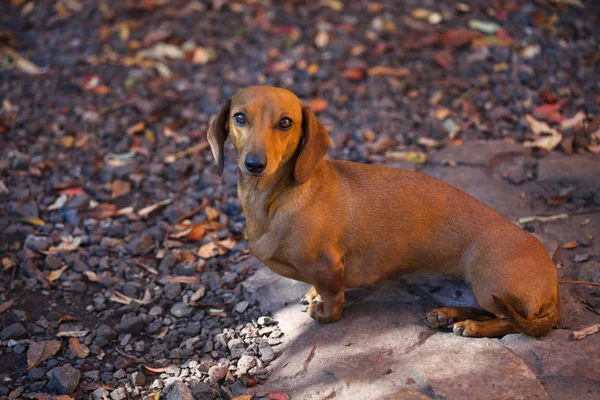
(120, 374)
(201, 391)
(133, 325)
(36, 374)
(266, 353)
(138, 379)
(447, 364)
(245, 363)
(100, 393)
(172, 290)
(181, 310)
(155, 311)
(14, 331)
(104, 335)
(64, 379)
(93, 375)
(580, 258)
(217, 372)
(178, 391)
(241, 306)
(236, 347)
(265, 321)
(118, 394)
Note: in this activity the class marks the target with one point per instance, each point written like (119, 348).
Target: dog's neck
(259, 195)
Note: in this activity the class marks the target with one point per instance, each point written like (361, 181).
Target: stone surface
(64, 379)
(178, 391)
(14, 331)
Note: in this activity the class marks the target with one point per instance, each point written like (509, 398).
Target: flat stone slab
(380, 349)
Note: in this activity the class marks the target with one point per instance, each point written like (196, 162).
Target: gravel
(64, 379)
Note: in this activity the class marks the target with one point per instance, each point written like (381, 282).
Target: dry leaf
(41, 351)
(278, 396)
(227, 243)
(144, 212)
(6, 305)
(590, 330)
(577, 120)
(120, 188)
(136, 128)
(33, 221)
(318, 105)
(551, 137)
(459, 37)
(417, 157)
(58, 203)
(79, 349)
(21, 63)
(54, 275)
(551, 218)
(67, 318)
(197, 232)
(189, 280)
(154, 370)
(322, 39)
(198, 294)
(91, 275)
(68, 243)
(208, 250)
(354, 74)
(388, 71)
(161, 332)
(160, 51)
(217, 312)
(570, 245)
(103, 211)
(211, 213)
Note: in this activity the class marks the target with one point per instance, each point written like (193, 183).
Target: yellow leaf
(56, 274)
(33, 221)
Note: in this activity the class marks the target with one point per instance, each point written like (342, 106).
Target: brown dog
(338, 224)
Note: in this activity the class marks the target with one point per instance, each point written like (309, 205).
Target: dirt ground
(125, 270)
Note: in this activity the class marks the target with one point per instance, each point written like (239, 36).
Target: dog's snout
(255, 163)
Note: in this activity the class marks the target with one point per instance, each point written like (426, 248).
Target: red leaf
(354, 74)
(543, 111)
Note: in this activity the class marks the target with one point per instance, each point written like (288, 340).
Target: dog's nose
(255, 164)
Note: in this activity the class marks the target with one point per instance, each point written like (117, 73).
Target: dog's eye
(285, 124)
(239, 119)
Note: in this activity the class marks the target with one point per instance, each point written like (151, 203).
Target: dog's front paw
(318, 313)
(467, 328)
(312, 296)
(435, 319)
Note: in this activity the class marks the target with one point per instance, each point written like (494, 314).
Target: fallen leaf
(6, 305)
(161, 51)
(570, 245)
(136, 128)
(103, 211)
(354, 74)
(33, 221)
(188, 280)
(68, 243)
(544, 110)
(69, 331)
(420, 13)
(322, 39)
(208, 250)
(417, 157)
(58, 203)
(211, 213)
(91, 275)
(41, 351)
(531, 51)
(56, 274)
(217, 312)
(483, 26)
(144, 212)
(590, 330)
(162, 332)
(459, 37)
(551, 137)
(318, 105)
(278, 396)
(66, 318)
(202, 55)
(73, 192)
(197, 232)
(577, 120)
(198, 294)
(154, 370)
(388, 71)
(227, 243)
(79, 349)
(120, 188)
(22, 63)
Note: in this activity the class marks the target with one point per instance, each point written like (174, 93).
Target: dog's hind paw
(312, 296)
(435, 319)
(466, 328)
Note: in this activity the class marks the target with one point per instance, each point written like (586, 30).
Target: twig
(551, 218)
(581, 283)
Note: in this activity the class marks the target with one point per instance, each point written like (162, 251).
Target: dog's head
(269, 127)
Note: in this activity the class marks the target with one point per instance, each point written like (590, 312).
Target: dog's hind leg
(446, 316)
(491, 328)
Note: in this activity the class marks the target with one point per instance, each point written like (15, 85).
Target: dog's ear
(313, 145)
(218, 131)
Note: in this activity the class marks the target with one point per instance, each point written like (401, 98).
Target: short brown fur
(339, 224)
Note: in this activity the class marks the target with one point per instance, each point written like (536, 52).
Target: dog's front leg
(329, 281)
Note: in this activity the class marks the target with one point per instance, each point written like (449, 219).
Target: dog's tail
(547, 317)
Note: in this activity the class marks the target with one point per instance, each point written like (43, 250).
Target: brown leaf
(459, 37)
(6, 305)
(79, 349)
(388, 71)
(162, 332)
(318, 105)
(570, 245)
(197, 232)
(198, 294)
(154, 370)
(92, 276)
(590, 330)
(189, 280)
(208, 250)
(56, 274)
(120, 188)
(41, 351)
(354, 74)
(67, 318)
(146, 211)
(103, 211)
